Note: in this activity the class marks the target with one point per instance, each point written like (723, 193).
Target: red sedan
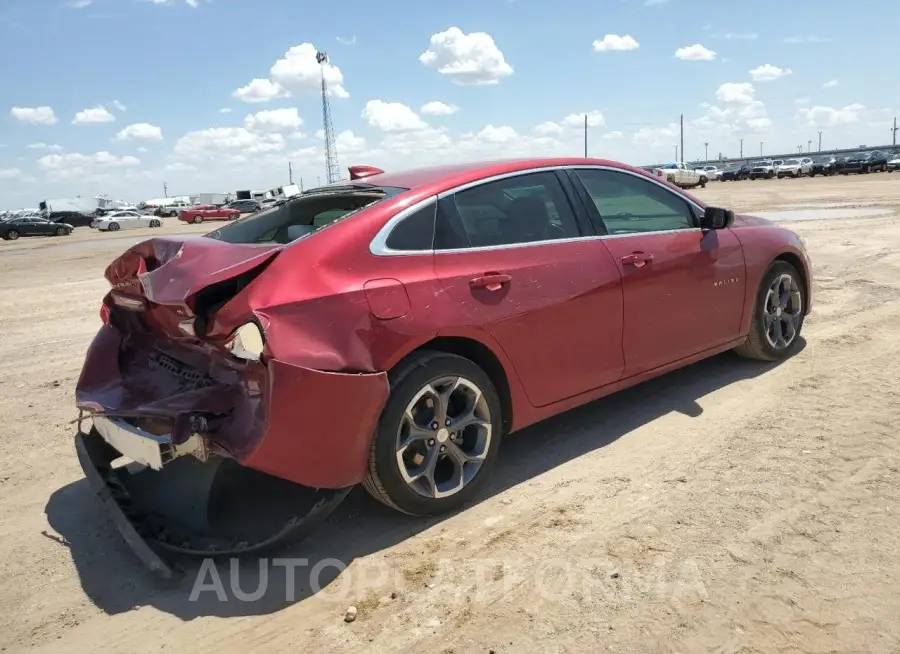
(391, 330)
(207, 212)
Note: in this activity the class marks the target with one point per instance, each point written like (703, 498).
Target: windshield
(767, 162)
(671, 165)
(302, 214)
(791, 162)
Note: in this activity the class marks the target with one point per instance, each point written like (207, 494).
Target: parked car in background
(711, 172)
(390, 332)
(116, 220)
(172, 209)
(244, 206)
(863, 163)
(735, 173)
(680, 174)
(824, 165)
(74, 218)
(764, 169)
(794, 168)
(33, 225)
(205, 212)
(893, 162)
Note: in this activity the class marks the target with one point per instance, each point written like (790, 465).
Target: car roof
(439, 178)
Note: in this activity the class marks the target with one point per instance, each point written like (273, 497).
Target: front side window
(628, 204)
(525, 208)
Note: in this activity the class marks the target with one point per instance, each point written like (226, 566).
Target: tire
(384, 479)
(197, 220)
(759, 344)
(154, 223)
(12, 235)
(703, 182)
(113, 227)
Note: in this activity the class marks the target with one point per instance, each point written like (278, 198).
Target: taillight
(104, 313)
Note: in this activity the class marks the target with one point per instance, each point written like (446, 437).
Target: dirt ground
(728, 507)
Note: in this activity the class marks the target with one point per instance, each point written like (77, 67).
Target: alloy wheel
(783, 311)
(444, 437)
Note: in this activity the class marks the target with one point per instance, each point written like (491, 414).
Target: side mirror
(716, 218)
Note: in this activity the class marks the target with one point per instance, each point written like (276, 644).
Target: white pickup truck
(682, 175)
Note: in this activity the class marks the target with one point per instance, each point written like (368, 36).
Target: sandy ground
(728, 507)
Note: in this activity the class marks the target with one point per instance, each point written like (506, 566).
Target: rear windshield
(303, 214)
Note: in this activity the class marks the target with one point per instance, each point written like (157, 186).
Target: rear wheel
(155, 223)
(12, 235)
(777, 316)
(113, 227)
(198, 220)
(438, 436)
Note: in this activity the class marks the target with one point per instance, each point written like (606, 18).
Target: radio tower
(332, 169)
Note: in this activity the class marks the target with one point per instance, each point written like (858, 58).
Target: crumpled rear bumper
(307, 426)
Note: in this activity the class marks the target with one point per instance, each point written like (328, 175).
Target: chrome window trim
(378, 245)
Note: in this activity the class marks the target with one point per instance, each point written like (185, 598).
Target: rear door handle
(490, 281)
(637, 259)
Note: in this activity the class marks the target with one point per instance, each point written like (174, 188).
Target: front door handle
(490, 281)
(637, 259)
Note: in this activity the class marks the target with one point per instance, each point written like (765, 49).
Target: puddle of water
(823, 214)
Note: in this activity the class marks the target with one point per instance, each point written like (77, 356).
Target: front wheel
(11, 235)
(198, 220)
(438, 436)
(60, 231)
(155, 223)
(777, 316)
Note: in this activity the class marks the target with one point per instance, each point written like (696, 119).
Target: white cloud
(76, 164)
(829, 116)
(79, 4)
(572, 121)
(190, 3)
(695, 52)
(830, 84)
(742, 117)
(656, 137)
(656, 3)
(118, 105)
(799, 101)
(50, 147)
(769, 73)
(732, 36)
(34, 115)
(796, 40)
(216, 141)
(612, 136)
(10, 173)
(274, 120)
(467, 59)
(616, 43)
(437, 108)
(298, 71)
(140, 132)
(96, 116)
(260, 90)
(346, 41)
(225, 110)
(392, 116)
(736, 93)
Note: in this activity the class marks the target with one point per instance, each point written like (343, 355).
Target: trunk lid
(176, 284)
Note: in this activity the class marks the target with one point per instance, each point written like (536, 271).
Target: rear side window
(415, 233)
(523, 209)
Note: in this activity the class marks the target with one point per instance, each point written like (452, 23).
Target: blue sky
(159, 85)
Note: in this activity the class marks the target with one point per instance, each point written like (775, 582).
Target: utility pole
(585, 136)
(706, 153)
(165, 189)
(894, 130)
(820, 140)
(676, 153)
(742, 149)
(799, 149)
(290, 174)
(760, 148)
(682, 137)
(809, 146)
